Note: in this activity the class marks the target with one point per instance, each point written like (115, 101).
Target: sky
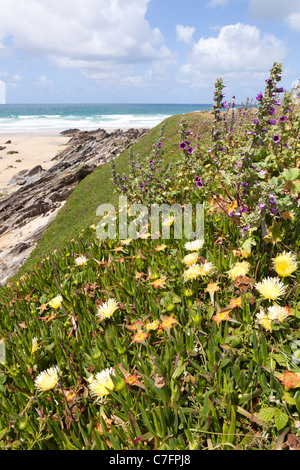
(144, 51)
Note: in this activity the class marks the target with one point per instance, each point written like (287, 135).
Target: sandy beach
(23, 151)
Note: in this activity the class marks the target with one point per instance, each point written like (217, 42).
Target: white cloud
(273, 9)
(240, 50)
(293, 21)
(74, 33)
(2, 92)
(184, 33)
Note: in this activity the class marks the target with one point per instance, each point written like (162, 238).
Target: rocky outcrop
(39, 195)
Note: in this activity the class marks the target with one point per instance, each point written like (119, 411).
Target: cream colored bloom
(271, 288)
(126, 242)
(168, 221)
(192, 272)
(285, 264)
(207, 268)
(277, 313)
(194, 245)
(190, 259)
(152, 326)
(55, 302)
(47, 379)
(241, 268)
(107, 309)
(102, 383)
(264, 320)
(81, 260)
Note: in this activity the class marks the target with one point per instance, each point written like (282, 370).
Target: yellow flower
(195, 245)
(240, 268)
(126, 242)
(264, 321)
(222, 315)
(190, 259)
(81, 260)
(270, 288)
(152, 325)
(285, 264)
(245, 253)
(102, 383)
(47, 379)
(107, 309)
(192, 272)
(277, 313)
(158, 282)
(55, 302)
(161, 247)
(211, 289)
(139, 336)
(168, 222)
(206, 269)
(168, 322)
(34, 345)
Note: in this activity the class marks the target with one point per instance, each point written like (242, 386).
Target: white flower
(107, 309)
(47, 379)
(195, 245)
(102, 383)
(81, 260)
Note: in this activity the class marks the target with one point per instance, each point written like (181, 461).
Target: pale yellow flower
(271, 288)
(126, 242)
(168, 221)
(245, 253)
(34, 345)
(192, 272)
(191, 259)
(55, 302)
(285, 264)
(277, 313)
(47, 379)
(102, 383)
(139, 336)
(241, 268)
(264, 320)
(152, 326)
(194, 245)
(107, 309)
(206, 268)
(81, 260)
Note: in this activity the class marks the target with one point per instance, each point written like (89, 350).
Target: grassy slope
(79, 211)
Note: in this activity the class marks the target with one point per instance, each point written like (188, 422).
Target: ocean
(18, 118)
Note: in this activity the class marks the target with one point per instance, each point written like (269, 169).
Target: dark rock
(43, 192)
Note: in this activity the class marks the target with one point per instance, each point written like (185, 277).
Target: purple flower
(282, 118)
(264, 130)
(199, 182)
(261, 206)
(272, 110)
(190, 150)
(279, 90)
(273, 209)
(259, 96)
(276, 138)
(273, 122)
(269, 81)
(224, 104)
(245, 185)
(256, 121)
(182, 145)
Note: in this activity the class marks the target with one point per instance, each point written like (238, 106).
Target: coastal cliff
(39, 194)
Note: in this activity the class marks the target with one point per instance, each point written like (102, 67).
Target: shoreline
(24, 150)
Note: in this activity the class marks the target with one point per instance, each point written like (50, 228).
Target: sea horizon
(33, 117)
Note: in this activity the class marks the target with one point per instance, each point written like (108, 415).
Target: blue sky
(144, 51)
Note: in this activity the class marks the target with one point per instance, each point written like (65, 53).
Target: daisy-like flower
(192, 272)
(207, 268)
(55, 302)
(168, 322)
(102, 383)
(139, 336)
(277, 313)
(241, 268)
(194, 245)
(168, 221)
(81, 260)
(264, 320)
(107, 309)
(190, 259)
(126, 242)
(152, 326)
(47, 379)
(285, 264)
(271, 288)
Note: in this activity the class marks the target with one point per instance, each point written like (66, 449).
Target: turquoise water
(59, 117)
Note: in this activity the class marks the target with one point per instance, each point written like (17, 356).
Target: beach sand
(28, 150)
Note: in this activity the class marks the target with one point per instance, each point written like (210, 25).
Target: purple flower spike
(259, 96)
